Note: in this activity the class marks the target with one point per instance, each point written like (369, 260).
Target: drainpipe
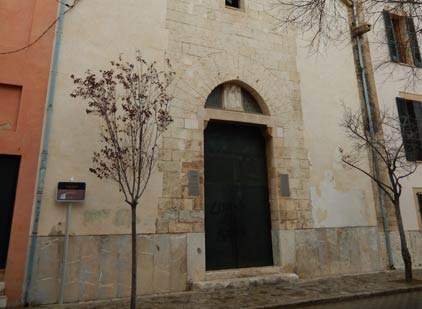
(44, 151)
(365, 88)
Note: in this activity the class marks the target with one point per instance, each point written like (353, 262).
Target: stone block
(416, 245)
(146, 247)
(356, 254)
(307, 255)
(72, 282)
(191, 124)
(286, 250)
(89, 268)
(195, 257)
(344, 239)
(178, 263)
(162, 257)
(45, 282)
(324, 253)
(333, 252)
(190, 216)
(107, 286)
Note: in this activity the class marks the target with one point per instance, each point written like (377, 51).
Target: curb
(341, 298)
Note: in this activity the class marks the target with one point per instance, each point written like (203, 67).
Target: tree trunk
(134, 260)
(407, 259)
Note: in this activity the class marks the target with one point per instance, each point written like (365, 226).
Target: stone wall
(314, 231)
(99, 267)
(210, 45)
(330, 251)
(414, 242)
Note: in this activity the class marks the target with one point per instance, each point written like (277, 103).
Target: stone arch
(257, 98)
(278, 89)
(195, 81)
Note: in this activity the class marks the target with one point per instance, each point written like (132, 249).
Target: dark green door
(237, 216)
(9, 168)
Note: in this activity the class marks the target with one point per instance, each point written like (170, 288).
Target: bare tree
(329, 21)
(132, 102)
(394, 146)
(322, 17)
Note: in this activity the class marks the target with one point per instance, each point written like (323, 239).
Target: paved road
(399, 301)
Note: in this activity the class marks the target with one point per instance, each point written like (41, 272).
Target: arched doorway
(237, 212)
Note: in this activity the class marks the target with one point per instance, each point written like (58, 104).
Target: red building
(25, 58)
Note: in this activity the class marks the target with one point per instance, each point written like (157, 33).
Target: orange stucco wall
(20, 23)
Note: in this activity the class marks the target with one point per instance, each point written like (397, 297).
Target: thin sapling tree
(395, 146)
(131, 100)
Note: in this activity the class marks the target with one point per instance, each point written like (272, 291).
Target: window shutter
(406, 129)
(419, 195)
(413, 38)
(417, 108)
(391, 38)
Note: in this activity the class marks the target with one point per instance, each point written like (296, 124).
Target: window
(231, 96)
(249, 103)
(233, 3)
(402, 39)
(419, 198)
(410, 115)
(215, 99)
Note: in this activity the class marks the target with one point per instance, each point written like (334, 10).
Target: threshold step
(242, 272)
(243, 282)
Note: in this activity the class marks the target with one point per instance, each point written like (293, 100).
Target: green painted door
(237, 214)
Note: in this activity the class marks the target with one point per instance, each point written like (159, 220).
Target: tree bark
(134, 260)
(407, 259)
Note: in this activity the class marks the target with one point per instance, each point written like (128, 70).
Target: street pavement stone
(280, 295)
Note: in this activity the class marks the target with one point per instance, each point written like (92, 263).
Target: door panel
(9, 168)
(237, 217)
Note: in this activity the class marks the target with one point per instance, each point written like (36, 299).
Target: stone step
(242, 273)
(243, 282)
(1, 288)
(3, 301)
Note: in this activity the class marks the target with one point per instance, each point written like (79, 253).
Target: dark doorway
(237, 214)
(9, 169)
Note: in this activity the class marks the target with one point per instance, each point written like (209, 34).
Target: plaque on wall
(71, 192)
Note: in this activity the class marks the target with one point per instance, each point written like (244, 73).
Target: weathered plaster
(333, 207)
(70, 150)
(339, 196)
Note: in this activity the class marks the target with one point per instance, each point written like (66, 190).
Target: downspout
(44, 151)
(366, 98)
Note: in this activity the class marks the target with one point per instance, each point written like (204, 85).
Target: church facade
(249, 180)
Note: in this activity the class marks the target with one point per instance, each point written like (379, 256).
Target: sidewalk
(285, 295)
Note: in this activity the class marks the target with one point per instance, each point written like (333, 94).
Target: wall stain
(56, 230)
(122, 218)
(334, 204)
(95, 215)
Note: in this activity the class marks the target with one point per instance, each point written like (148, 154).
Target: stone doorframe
(280, 101)
(196, 268)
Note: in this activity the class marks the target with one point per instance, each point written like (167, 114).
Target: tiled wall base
(100, 267)
(330, 251)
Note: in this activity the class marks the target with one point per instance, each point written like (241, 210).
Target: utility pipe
(44, 150)
(381, 195)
